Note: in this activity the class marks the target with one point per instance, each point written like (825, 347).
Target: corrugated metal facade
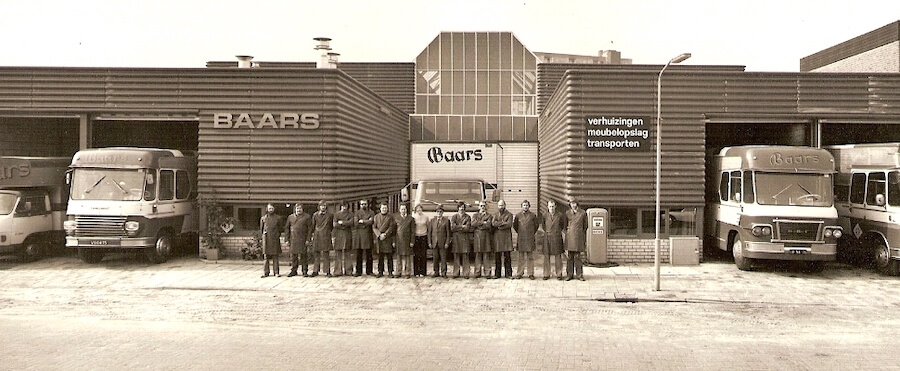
(609, 178)
(519, 175)
(857, 45)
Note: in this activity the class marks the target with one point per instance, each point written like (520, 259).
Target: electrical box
(597, 233)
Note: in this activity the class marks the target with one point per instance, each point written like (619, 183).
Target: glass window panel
(446, 105)
(623, 222)
(248, 218)
(529, 105)
(493, 127)
(446, 51)
(493, 105)
(429, 82)
(481, 105)
(518, 82)
(857, 188)
(459, 82)
(459, 104)
(481, 59)
(531, 133)
(434, 55)
(459, 51)
(455, 128)
(877, 186)
(505, 81)
(648, 223)
(470, 50)
(182, 185)
(518, 105)
(422, 59)
(470, 104)
(482, 82)
(441, 128)
(428, 124)
(421, 104)
(505, 51)
(415, 128)
(494, 86)
(166, 185)
(518, 129)
(434, 104)
(517, 54)
(530, 87)
(505, 105)
(468, 128)
(506, 128)
(470, 82)
(894, 188)
(494, 55)
(481, 128)
(421, 82)
(530, 62)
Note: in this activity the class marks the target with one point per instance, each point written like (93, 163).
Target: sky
(763, 35)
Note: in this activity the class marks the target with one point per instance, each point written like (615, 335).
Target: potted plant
(253, 251)
(218, 224)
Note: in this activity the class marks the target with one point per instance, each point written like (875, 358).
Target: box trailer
(33, 196)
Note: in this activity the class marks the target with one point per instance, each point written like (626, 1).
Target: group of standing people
(364, 237)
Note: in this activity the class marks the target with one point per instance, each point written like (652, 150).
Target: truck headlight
(132, 227)
(833, 232)
(761, 230)
(69, 226)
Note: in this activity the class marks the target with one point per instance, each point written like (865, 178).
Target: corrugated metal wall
(519, 175)
(606, 178)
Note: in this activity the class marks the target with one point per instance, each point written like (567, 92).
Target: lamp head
(680, 58)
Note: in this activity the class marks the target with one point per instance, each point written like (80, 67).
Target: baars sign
(307, 121)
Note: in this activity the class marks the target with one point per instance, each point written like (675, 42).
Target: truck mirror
(879, 199)
(495, 195)
(404, 194)
(69, 177)
(737, 197)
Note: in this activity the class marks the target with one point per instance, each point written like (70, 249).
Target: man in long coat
(576, 233)
(554, 225)
(270, 227)
(343, 240)
(385, 229)
(460, 225)
(439, 240)
(363, 238)
(526, 225)
(323, 222)
(298, 230)
(482, 224)
(503, 246)
(406, 238)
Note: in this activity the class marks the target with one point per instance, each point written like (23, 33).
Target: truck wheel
(33, 250)
(90, 256)
(737, 250)
(882, 258)
(160, 252)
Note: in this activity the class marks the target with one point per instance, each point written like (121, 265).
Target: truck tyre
(882, 257)
(33, 249)
(737, 250)
(161, 251)
(90, 256)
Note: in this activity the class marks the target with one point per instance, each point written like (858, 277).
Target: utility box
(596, 235)
(684, 250)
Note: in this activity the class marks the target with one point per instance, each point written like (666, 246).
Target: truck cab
(449, 193)
(32, 202)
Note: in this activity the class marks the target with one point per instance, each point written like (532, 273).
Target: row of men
(364, 236)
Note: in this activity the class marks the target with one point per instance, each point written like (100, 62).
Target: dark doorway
(38, 136)
(180, 135)
(859, 133)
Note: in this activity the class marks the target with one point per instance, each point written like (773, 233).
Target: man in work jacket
(482, 222)
(384, 228)
(363, 238)
(343, 240)
(298, 230)
(554, 225)
(526, 225)
(576, 231)
(323, 222)
(270, 227)
(503, 246)
(439, 240)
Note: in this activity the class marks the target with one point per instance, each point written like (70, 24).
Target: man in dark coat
(298, 231)
(385, 229)
(439, 240)
(526, 225)
(323, 222)
(576, 233)
(406, 238)
(503, 246)
(363, 238)
(343, 240)
(482, 223)
(460, 225)
(270, 227)
(554, 225)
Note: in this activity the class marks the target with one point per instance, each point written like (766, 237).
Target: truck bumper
(110, 242)
(778, 251)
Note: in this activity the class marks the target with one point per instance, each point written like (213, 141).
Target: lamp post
(679, 58)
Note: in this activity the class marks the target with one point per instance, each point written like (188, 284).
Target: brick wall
(639, 250)
(885, 58)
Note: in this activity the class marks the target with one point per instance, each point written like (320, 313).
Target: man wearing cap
(439, 240)
(298, 230)
(554, 225)
(323, 223)
(576, 231)
(460, 225)
(270, 227)
(503, 223)
(362, 237)
(526, 225)
(343, 240)
(385, 229)
(482, 223)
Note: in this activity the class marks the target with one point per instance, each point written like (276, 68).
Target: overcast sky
(764, 35)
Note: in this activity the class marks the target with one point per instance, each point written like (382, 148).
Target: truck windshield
(449, 194)
(108, 184)
(791, 189)
(7, 203)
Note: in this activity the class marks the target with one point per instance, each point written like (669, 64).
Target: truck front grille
(100, 226)
(798, 231)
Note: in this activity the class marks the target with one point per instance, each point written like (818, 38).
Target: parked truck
(33, 195)
(774, 202)
(867, 194)
(131, 199)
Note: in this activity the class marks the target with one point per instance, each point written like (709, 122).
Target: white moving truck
(130, 199)
(867, 193)
(33, 195)
(774, 202)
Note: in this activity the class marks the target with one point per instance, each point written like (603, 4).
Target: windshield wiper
(430, 201)
(95, 184)
(119, 186)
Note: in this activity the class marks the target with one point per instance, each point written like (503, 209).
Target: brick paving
(191, 314)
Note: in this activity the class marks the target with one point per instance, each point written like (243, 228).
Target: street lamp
(679, 58)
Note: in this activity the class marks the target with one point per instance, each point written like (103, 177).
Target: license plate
(798, 251)
(102, 243)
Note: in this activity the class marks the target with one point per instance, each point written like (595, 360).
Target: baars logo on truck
(307, 121)
(436, 155)
(779, 159)
(14, 171)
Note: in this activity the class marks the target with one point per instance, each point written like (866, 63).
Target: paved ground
(190, 314)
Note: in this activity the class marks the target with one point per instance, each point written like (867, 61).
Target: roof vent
(244, 61)
(325, 58)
